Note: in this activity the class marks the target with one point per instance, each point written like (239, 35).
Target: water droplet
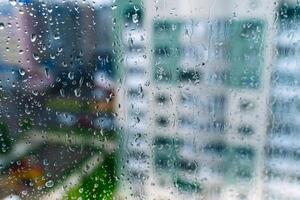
(77, 92)
(1, 25)
(113, 7)
(135, 18)
(130, 42)
(49, 184)
(76, 8)
(56, 36)
(21, 12)
(35, 92)
(71, 75)
(27, 111)
(45, 162)
(13, 2)
(33, 37)
(114, 21)
(46, 72)
(52, 56)
(64, 64)
(35, 56)
(174, 27)
(22, 72)
(62, 92)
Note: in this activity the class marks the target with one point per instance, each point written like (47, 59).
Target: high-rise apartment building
(282, 144)
(193, 86)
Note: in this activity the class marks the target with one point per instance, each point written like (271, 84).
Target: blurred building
(193, 82)
(70, 36)
(282, 147)
(68, 43)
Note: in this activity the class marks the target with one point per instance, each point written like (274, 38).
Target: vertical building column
(270, 15)
(248, 111)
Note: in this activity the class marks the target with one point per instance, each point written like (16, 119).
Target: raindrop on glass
(33, 37)
(49, 184)
(13, 2)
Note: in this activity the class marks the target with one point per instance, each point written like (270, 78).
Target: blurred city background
(150, 99)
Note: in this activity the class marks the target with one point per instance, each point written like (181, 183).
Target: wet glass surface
(149, 99)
